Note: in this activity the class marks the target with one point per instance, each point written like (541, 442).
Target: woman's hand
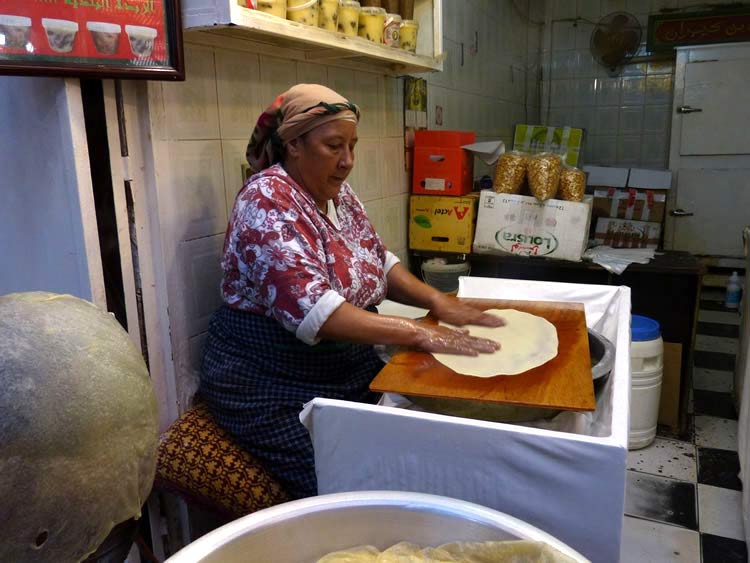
(456, 312)
(442, 339)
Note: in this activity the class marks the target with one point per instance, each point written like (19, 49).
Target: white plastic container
(732, 296)
(647, 369)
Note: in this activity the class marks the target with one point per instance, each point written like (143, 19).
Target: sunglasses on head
(324, 108)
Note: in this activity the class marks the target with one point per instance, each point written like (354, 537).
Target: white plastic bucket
(647, 369)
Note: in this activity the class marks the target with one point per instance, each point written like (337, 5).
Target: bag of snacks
(544, 175)
(510, 172)
(572, 184)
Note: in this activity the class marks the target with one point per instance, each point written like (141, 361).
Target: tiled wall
(490, 70)
(627, 116)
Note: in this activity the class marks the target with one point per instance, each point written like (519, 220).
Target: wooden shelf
(224, 23)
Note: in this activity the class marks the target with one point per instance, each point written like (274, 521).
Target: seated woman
(303, 272)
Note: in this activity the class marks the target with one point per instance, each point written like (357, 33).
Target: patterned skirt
(257, 376)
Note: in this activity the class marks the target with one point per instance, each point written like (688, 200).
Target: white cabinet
(224, 23)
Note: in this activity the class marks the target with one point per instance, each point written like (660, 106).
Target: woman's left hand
(459, 313)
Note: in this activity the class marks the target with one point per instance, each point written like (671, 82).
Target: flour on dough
(527, 341)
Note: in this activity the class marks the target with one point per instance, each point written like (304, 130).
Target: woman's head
(294, 113)
(312, 130)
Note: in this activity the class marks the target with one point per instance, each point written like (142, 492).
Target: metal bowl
(304, 530)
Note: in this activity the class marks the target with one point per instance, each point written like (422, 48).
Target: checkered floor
(683, 493)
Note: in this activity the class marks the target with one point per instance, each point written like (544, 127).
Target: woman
(303, 271)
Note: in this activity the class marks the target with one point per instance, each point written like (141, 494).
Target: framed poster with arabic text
(92, 38)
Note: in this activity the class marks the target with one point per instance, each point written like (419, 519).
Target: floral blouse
(286, 259)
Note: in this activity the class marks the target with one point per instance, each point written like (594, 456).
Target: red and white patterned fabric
(286, 259)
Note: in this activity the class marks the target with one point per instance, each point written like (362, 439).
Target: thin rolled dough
(527, 341)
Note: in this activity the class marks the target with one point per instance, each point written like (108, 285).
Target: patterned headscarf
(300, 109)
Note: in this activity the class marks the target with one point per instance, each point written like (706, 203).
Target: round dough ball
(78, 431)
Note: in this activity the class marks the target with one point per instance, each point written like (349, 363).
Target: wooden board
(562, 383)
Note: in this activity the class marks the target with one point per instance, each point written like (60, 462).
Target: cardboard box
(442, 223)
(638, 205)
(634, 193)
(650, 179)
(606, 176)
(523, 225)
(441, 166)
(669, 401)
(622, 233)
(565, 141)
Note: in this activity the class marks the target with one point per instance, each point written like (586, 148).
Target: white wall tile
(607, 120)
(628, 149)
(370, 95)
(654, 148)
(633, 90)
(394, 221)
(605, 149)
(585, 117)
(631, 119)
(395, 179)
(563, 93)
(276, 77)
(563, 36)
(658, 89)
(342, 80)
(585, 92)
(367, 176)
(310, 73)
(201, 261)
(191, 107)
(233, 157)
(374, 210)
(394, 107)
(196, 189)
(656, 119)
(607, 91)
(237, 75)
(589, 9)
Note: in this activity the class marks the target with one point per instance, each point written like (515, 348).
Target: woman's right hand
(442, 339)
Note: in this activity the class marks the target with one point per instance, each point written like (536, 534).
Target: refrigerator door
(742, 391)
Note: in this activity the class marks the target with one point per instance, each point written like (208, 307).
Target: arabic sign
(668, 31)
(103, 37)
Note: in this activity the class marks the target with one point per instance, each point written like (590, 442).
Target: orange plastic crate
(441, 166)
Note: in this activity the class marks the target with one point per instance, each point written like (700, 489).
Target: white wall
(628, 116)
(42, 235)
(486, 89)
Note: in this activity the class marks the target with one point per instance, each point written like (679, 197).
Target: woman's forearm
(406, 288)
(351, 324)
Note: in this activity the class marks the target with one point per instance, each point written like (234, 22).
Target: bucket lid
(643, 329)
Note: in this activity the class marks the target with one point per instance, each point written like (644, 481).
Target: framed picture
(92, 38)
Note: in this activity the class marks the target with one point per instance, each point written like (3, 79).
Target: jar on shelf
(274, 7)
(349, 17)
(391, 30)
(371, 24)
(302, 11)
(329, 15)
(408, 35)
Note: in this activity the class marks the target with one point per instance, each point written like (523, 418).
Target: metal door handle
(681, 213)
(688, 109)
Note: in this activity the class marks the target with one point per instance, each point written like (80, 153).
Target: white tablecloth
(568, 481)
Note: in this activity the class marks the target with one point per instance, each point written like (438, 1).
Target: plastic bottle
(732, 297)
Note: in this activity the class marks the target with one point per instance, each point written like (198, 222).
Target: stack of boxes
(629, 205)
(442, 209)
